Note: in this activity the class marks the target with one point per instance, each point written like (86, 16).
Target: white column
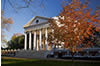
(25, 44)
(30, 40)
(40, 40)
(34, 40)
(46, 37)
(37, 43)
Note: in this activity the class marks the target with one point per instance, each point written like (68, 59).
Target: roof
(27, 24)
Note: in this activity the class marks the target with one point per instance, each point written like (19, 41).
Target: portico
(36, 34)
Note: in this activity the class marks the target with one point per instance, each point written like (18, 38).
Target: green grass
(6, 61)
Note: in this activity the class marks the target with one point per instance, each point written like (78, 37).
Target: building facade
(36, 34)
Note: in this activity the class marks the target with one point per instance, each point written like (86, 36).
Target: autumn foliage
(75, 23)
(5, 26)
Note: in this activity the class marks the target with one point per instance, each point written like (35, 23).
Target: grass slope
(6, 61)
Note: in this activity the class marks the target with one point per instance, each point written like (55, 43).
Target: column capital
(33, 31)
(25, 32)
(29, 31)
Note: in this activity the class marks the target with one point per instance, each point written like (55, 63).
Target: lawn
(7, 61)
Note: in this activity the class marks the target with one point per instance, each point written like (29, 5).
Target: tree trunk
(72, 58)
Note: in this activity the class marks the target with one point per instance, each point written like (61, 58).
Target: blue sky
(51, 9)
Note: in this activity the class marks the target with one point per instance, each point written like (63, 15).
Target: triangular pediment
(36, 20)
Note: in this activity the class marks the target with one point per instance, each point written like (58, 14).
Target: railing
(9, 52)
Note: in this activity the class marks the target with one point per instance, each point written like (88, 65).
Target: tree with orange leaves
(5, 26)
(73, 24)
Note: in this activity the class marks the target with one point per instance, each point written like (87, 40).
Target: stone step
(32, 54)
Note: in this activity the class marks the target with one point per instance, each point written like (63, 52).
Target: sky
(21, 17)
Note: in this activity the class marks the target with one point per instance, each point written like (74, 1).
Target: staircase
(32, 54)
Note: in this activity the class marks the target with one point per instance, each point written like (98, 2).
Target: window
(37, 21)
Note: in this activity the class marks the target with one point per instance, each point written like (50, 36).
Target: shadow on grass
(37, 62)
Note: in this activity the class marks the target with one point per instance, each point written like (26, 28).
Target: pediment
(36, 20)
